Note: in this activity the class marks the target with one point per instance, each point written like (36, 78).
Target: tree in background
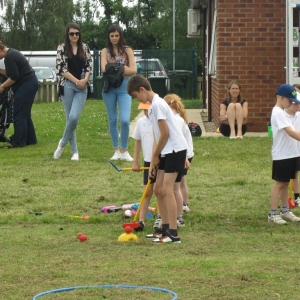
(148, 24)
(35, 24)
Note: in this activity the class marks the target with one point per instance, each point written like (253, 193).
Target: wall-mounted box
(194, 23)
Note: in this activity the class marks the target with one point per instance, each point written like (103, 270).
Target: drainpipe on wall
(209, 33)
(204, 68)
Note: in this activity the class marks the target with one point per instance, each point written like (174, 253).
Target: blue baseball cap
(288, 91)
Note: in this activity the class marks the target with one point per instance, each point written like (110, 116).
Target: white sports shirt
(283, 146)
(143, 131)
(160, 110)
(187, 135)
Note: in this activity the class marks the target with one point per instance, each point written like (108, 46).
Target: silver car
(45, 73)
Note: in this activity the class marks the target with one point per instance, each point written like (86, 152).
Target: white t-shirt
(283, 146)
(296, 122)
(160, 110)
(143, 132)
(187, 135)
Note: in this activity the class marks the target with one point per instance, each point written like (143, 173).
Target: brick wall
(251, 48)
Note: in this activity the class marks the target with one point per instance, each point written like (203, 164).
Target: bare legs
(235, 115)
(280, 189)
(164, 191)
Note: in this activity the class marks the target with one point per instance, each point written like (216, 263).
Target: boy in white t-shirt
(143, 135)
(284, 154)
(168, 156)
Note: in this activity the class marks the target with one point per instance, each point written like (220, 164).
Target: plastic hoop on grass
(107, 287)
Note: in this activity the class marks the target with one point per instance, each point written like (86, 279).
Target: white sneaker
(125, 156)
(58, 152)
(157, 224)
(75, 156)
(180, 223)
(116, 156)
(297, 202)
(276, 219)
(185, 208)
(289, 216)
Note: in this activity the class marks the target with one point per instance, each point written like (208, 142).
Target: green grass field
(228, 250)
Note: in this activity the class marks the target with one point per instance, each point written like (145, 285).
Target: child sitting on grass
(284, 154)
(143, 135)
(168, 156)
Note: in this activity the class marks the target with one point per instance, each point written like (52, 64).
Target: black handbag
(113, 76)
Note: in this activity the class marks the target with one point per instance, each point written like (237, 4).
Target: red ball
(128, 229)
(83, 238)
(86, 217)
(79, 234)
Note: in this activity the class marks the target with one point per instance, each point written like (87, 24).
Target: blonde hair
(296, 86)
(174, 101)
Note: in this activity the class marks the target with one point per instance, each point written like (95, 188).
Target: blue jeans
(73, 101)
(24, 132)
(113, 97)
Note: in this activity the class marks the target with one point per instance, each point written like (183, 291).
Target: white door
(292, 41)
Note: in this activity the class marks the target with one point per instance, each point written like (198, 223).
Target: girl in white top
(181, 188)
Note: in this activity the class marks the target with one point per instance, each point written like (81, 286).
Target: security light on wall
(194, 25)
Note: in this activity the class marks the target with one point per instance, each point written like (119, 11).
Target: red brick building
(243, 40)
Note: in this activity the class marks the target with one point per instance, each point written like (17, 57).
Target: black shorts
(297, 164)
(225, 129)
(284, 170)
(173, 163)
(185, 170)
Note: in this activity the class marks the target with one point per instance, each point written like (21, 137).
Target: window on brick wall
(212, 56)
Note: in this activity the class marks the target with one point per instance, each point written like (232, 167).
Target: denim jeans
(118, 96)
(73, 101)
(24, 132)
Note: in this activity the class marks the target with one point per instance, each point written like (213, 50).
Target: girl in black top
(74, 65)
(233, 113)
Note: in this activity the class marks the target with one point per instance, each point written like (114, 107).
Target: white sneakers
(59, 150)
(121, 155)
(282, 218)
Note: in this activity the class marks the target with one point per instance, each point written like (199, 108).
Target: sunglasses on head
(74, 33)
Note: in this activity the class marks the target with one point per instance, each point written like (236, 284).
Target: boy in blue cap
(284, 154)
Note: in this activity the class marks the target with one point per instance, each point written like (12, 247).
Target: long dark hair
(68, 45)
(122, 43)
(239, 98)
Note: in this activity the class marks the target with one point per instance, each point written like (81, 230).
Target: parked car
(152, 67)
(45, 73)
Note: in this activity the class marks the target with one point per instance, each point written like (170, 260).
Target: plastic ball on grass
(128, 213)
(128, 229)
(83, 238)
